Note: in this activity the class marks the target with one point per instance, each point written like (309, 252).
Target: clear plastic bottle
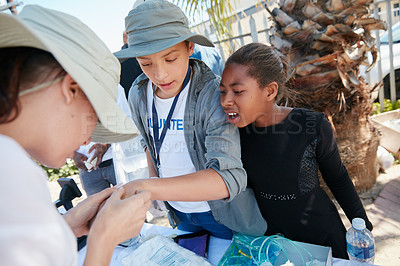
(360, 242)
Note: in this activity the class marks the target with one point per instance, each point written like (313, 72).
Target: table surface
(217, 246)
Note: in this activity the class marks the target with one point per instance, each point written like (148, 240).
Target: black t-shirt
(282, 163)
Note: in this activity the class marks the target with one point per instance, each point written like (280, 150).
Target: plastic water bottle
(360, 242)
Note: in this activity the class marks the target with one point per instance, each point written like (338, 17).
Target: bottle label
(360, 252)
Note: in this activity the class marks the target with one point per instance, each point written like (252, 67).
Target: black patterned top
(282, 163)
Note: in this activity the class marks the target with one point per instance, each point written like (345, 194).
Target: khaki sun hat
(156, 25)
(82, 55)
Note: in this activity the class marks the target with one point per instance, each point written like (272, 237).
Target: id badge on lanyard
(159, 139)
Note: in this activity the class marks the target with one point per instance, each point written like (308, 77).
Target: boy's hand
(79, 160)
(133, 187)
(99, 151)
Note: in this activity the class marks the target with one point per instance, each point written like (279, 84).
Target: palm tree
(326, 41)
(218, 13)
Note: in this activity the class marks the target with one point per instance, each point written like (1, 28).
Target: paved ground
(382, 204)
(384, 213)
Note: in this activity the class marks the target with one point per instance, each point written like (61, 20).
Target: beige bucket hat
(82, 54)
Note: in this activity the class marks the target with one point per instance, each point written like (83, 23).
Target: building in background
(394, 10)
(253, 23)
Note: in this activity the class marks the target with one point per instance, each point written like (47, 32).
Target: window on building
(396, 12)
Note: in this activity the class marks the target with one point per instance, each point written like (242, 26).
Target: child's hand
(79, 160)
(99, 151)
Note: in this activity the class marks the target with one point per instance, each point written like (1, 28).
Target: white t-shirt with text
(174, 155)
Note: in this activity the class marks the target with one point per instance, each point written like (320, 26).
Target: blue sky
(105, 18)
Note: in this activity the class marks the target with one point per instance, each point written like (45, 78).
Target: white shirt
(32, 232)
(174, 155)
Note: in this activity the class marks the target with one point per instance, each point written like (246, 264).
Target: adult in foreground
(58, 89)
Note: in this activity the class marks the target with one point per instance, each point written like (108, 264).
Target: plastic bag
(130, 246)
(264, 250)
(160, 250)
(130, 161)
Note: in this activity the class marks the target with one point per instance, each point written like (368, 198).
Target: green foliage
(67, 170)
(218, 13)
(387, 106)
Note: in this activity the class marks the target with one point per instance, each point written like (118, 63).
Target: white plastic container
(360, 242)
(385, 159)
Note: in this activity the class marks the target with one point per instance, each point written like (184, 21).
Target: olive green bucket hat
(82, 55)
(154, 26)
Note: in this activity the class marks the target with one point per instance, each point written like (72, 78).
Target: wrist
(133, 187)
(99, 249)
(71, 221)
(102, 235)
(143, 184)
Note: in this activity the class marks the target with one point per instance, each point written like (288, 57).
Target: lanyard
(158, 140)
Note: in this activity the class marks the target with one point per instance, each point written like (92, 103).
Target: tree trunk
(326, 42)
(358, 143)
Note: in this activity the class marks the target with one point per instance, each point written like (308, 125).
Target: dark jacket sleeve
(336, 176)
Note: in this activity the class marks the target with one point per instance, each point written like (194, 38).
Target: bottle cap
(358, 223)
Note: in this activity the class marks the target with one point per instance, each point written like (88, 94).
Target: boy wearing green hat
(189, 143)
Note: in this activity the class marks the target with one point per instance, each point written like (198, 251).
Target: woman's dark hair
(22, 68)
(265, 64)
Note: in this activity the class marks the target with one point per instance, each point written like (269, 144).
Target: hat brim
(115, 125)
(161, 45)
(14, 33)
